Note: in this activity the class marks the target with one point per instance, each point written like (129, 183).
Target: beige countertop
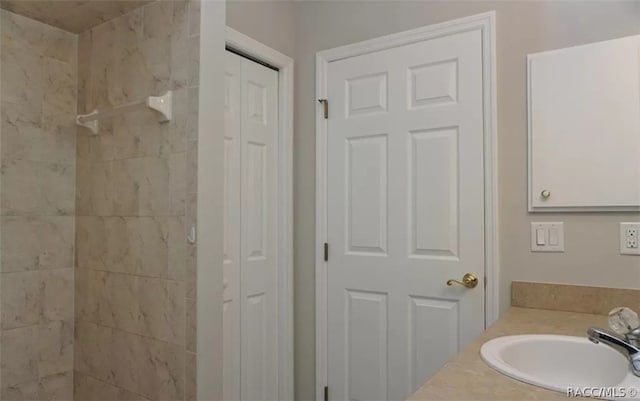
(467, 377)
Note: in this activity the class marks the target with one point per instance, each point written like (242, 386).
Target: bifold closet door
(251, 316)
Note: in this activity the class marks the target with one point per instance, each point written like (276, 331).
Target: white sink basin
(561, 363)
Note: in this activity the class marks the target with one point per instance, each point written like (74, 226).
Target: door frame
(256, 50)
(485, 23)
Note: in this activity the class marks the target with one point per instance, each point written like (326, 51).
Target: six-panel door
(405, 214)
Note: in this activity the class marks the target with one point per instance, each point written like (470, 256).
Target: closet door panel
(259, 331)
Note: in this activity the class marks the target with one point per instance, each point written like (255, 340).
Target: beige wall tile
(192, 121)
(125, 187)
(177, 248)
(38, 188)
(191, 172)
(22, 76)
(35, 242)
(162, 309)
(55, 348)
(129, 27)
(118, 303)
(153, 181)
(57, 387)
(19, 348)
(59, 44)
(191, 325)
(57, 294)
(130, 311)
(21, 299)
(94, 351)
(177, 183)
(85, 306)
(194, 17)
(29, 391)
(136, 134)
(21, 32)
(191, 373)
(86, 388)
(178, 125)
(158, 19)
(149, 245)
(154, 369)
(59, 107)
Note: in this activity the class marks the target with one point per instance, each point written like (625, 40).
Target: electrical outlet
(629, 242)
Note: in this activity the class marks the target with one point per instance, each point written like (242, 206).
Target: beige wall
(591, 255)
(135, 272)
(270, 22)
(38, 103)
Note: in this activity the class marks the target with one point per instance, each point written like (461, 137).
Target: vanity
(537, 309)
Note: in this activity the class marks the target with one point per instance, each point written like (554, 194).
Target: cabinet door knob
(545, 193)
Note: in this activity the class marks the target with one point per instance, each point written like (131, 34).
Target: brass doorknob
(469, 280)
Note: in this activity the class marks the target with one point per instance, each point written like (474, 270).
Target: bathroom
(122, 231)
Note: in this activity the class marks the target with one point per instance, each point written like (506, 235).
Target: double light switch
(547, 237)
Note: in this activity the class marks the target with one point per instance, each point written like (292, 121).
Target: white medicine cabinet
(584, 127)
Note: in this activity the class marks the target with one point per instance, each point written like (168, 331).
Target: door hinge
(326, 393)
(325, 105)
(326, 252)
(485, 282)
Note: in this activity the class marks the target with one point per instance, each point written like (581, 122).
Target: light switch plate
(629, 241)
(547, 236)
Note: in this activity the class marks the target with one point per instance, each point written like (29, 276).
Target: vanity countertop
(467, 377)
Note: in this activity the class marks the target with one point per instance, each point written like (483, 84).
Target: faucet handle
(623, 320)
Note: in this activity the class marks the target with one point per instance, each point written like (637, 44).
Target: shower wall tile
(37, 188)
(135, 270)
(194, 18)
(158, 20)
(89, 389)
(192, 116)
(191, 372)
(18, 31)
(177, 248)
(22, 76)
(141, 305)
(59, 45)
(36, 242)
(21, 299)
(55, 348)
(191, 324)
(162, 309)
(149, 246)
(59, 91)
(29, 391)
(177, 183)
(37, 208)
(151, 368)
(178, 125)
(34, 297)
(19, 349)
(57, 387)
(57, 294)
(151, 175)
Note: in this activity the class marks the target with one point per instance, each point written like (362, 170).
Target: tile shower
(97, 282)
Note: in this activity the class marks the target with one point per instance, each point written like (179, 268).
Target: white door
(405, 214)
(250, 310)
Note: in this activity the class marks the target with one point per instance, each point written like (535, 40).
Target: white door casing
(251, 231)
(403, 192)
(232, 223)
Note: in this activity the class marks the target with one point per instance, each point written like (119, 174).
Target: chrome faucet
(627, 345)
